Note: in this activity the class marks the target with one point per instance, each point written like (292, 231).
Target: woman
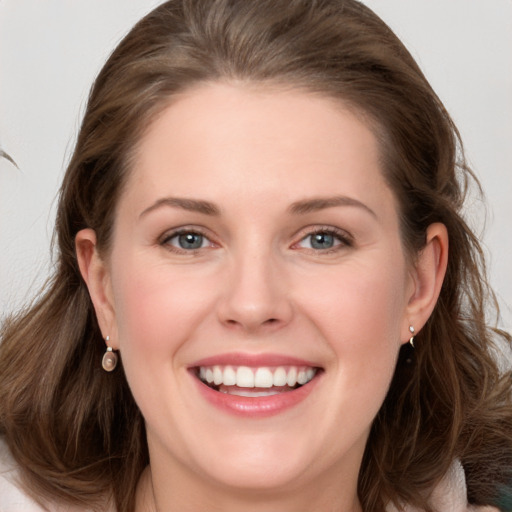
(261, 244)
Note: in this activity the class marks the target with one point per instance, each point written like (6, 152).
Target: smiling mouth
(255, 382)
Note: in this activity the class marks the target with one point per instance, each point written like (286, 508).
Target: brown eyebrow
(320, 203)
(193, 205)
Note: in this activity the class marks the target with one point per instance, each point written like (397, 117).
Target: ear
(97, 278)
(426, 279)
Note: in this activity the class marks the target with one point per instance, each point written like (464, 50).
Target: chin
(263, 462)
(271, 477)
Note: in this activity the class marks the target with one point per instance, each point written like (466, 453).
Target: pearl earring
(411, 339)
(109, 361)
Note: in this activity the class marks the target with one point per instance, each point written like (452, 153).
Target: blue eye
(190, 240)
(322, 241)
(187, 241)
(325, 240)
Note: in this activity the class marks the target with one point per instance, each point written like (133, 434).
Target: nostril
(268, 322)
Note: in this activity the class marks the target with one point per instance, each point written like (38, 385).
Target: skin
(258, 286)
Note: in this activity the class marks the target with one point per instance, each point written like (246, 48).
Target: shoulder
(12, 496)
(450, 494)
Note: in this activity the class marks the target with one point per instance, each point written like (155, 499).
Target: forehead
(224, 140)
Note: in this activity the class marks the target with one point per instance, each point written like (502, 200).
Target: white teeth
(229, 376)
(291, 378)
(280, 377)
(217, 375)
(248, 392)
(301, 377)
(262, 377)
(244, 377)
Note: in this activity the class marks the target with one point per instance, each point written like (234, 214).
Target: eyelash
(166, 239)
(344, 239)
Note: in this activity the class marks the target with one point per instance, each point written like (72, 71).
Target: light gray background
(51, 50)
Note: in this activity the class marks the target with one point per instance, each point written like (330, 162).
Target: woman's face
(257, 244)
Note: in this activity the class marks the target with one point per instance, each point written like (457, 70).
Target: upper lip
(253, 360)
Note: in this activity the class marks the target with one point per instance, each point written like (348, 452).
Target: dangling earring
(411, 339)
(109, 361)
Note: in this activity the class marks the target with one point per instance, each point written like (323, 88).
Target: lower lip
(257, 407)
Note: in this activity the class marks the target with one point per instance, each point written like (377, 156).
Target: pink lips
(253, 360)
(258, 406)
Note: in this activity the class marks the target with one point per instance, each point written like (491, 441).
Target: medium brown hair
(76, 431)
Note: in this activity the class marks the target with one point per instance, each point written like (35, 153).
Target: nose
(256, 294)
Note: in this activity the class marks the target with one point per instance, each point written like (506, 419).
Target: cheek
(157, 311)
(360, 314)
(156, 307)
(359, 305)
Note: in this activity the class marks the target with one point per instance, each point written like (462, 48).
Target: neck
(156, 496)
